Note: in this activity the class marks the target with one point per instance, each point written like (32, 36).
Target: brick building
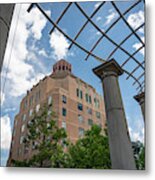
(76, 104)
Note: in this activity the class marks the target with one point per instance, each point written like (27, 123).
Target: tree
(139, 154)
(91, 151)
(46, 140)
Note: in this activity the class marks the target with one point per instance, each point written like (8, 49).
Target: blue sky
(31, 53)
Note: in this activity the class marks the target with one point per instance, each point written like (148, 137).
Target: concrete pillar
(140, 98)
(6, 12)
(121, 152)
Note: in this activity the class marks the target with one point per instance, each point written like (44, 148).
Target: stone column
(121, 152)
(6, 12)
(140, 98)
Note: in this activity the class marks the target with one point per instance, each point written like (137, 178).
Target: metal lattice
(138, 78)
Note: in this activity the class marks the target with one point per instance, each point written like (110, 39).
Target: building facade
(76, 104)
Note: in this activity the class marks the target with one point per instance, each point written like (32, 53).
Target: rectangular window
(31, 112)
(49, 100)
(87, 99)
(81, 95)
(80, 106)
(77, 92)
(64, 99)
(37, 108)
(81, 132)
(23, 128)
(64, 112)
(90, 99)
(64, 125)
(98, 115)
(90, 122)
(89, 111)
(25, 104)
(31, 100)
(80, 119)
(21, 139)
(24, 117)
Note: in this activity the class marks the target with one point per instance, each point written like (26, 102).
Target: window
(64, 99)
(31, 100)
(90, 122)
(90, 99)
(80, 106)
(64, 125)
(97, 103)
(81, 95)
(81, 132)
(86, 97)
(31, 112)
(80, 119)
(89, 111)
(37, 108)
(64, 112)
(98, 115)
(21, 139)
(24, 117)
(77, 92)
(23, 128)
(49, 112)
(25, 104)
(49, 100)
(34, 145)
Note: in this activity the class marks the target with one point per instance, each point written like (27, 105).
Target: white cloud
(136, 135)
(5, 132)
(111, 16)
(97, 5)
(59, 44)
(42, 52)
(21, 74)
(138, 45)
(136, 19)
(99, 18)
(2, 98)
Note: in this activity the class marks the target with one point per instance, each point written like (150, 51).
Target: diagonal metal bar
(140, 64)
(132, 77)
(134, 70)
(61, 16)
(111, 26)
(141, 86)
(139, 78)
(61, 31)
(124, 40)
(113, 42)
(113, 3)
(87, 21)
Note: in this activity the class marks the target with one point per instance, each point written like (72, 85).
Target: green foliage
(139, 154)
(91, 151)
(47, 143)
(45, 139)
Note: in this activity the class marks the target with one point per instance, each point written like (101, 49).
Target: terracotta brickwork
(76, 104)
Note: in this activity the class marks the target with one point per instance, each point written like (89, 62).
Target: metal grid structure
(138, 78)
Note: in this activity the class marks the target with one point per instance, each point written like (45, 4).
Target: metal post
(121, 152)
(140, 98)
(6, 12)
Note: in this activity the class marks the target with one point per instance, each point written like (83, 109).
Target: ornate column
(140, 98)
(121, 152)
